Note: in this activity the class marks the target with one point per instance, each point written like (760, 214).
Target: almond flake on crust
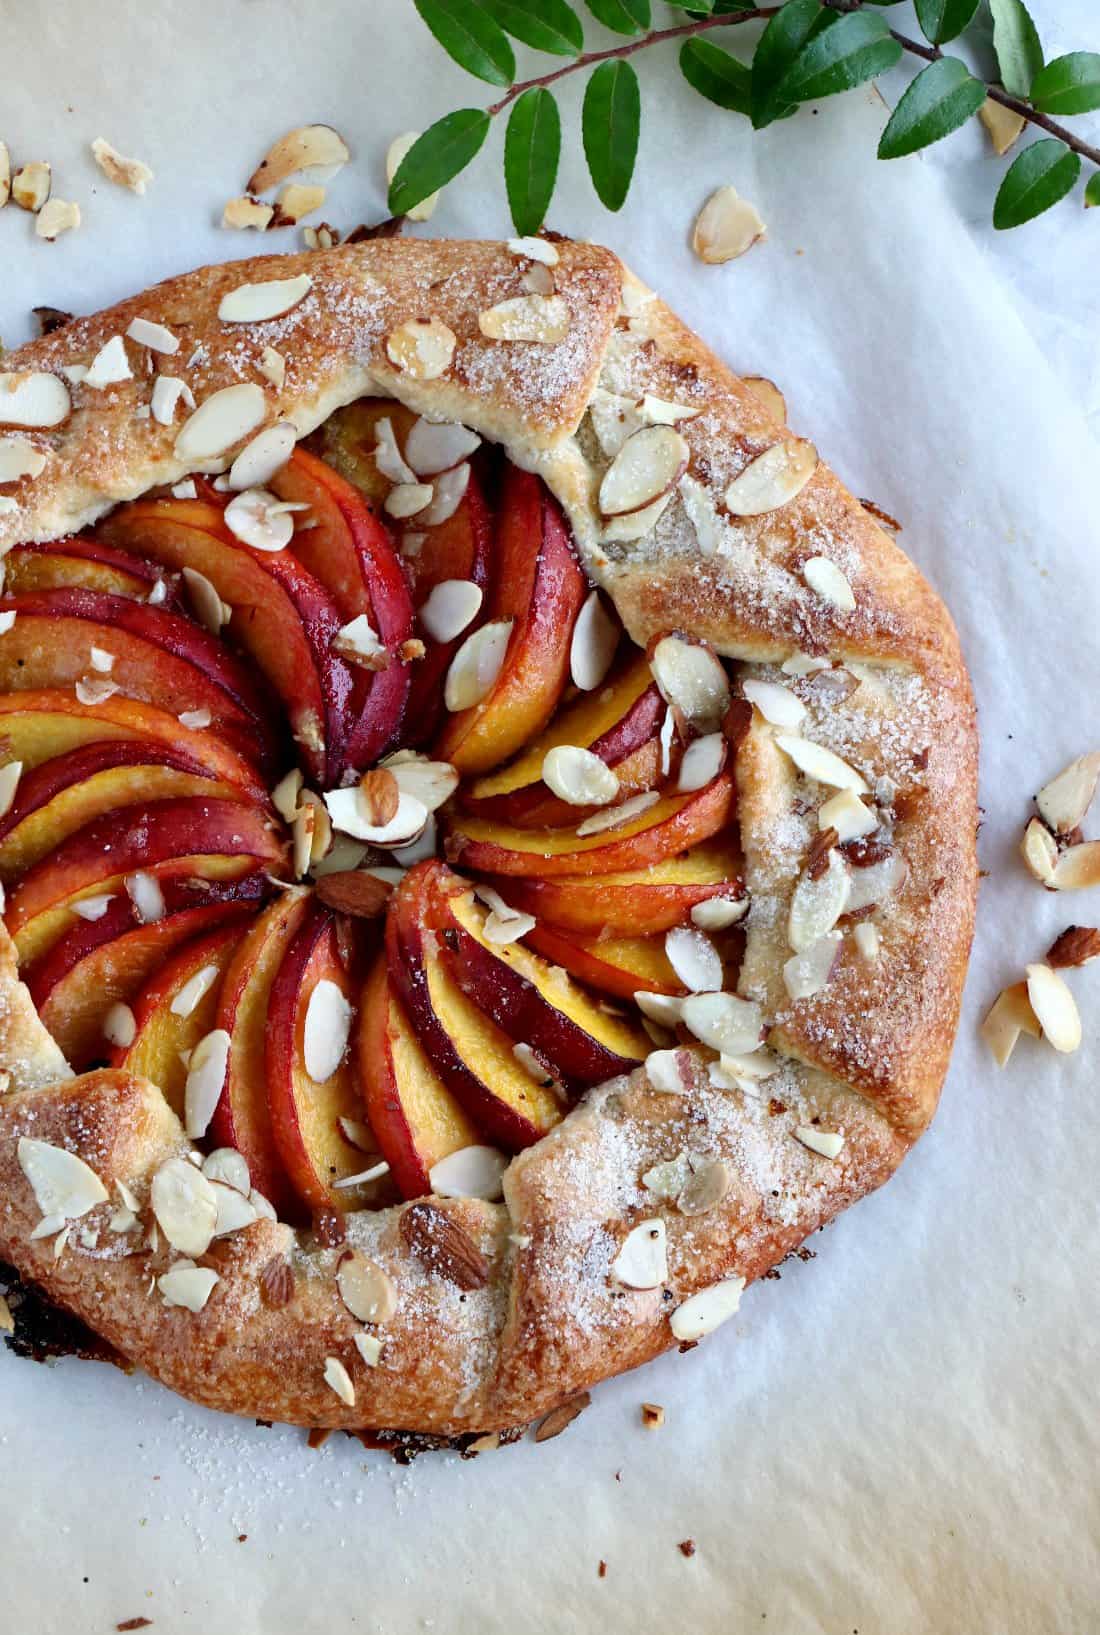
(63, 1185)
(20, 458)
(821, 764)
(724, 1021)
(224, 418)
(773, 479)
(369, 1347)
(776, 703)
(272, 366)
(542, 318)
(168, 393)
(768, 393)
(642, 1260)
(535, 249)
(867, 939)
(668, 1071)
(817, 903)
(470, 1172)
(422, 348)
(33, 399)
(726, 227)
(851, 817)
(128, 173)
(337, 1376)
(228, 1166)
(110, 365)
(188, 1285)
(259, 303)
(706, 1310)
(824, 577)
(827, 1143)
(807, 972)
(693, 679)
(366, 1289)
(185, 1205)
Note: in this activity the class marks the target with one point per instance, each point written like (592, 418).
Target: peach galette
(487, 833)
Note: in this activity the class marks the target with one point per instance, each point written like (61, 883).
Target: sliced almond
(649, 464)
(244, 213)
(817, 904)
(718, 913)
(1078, 867)
(769, 395)
(703, 759)
(772, 479)
(57, 216)
(266, 454)
(449, 489)
(693, 679)
(359, 642)
(327, 1029)
(119, 1025)
(1064, 801)
(476, 666)
(851, 817)
(64, 1186)
(5, 187)
(168, 393)
(34, 399)
(235, 1211)
(706, 1185)
(350, 814)
(206, 1071)
(694, 958)
(94, 908)
(369, 1347)
(258, 303)
(876, 882)
(825, 578)
(616, 817)
(821, 764)
(304, 148)
(432, 783)
(470, 1172)
(1040, 852)
(1009, 1016)
(9, 783)
(450, 608)
(535, 249)
(1004, 125)
(707, 1310)
(642, 1260)
(1055, 1008)
(272, 366)
(776, 703)
(406, 499)
(867, 939)
(144, 891)
(128, 173)
(30, 185)
(186, 998)
(259, 519)
(337, 1378)
(156, 337)
(726, 227)
(188, 1285)
(224, 418)
(295, 201)
(395, 153)
(433, 446)
(387, 455)
(20, 458)
(210, 610)
(110, 365)
(666, 737)
(544, 318)
(227, 1165)
(806, 973)
(185, 1205)
(422, 347)
(724, 1021)
(827, 1143)
(593, 645)
(366, 1289)
(579, 777)
(663, 1008)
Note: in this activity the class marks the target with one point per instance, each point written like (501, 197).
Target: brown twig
(916, 48)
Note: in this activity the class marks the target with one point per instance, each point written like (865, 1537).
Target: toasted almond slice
(109, 366)
(423, 845)
(144, 891)
(450, 486)
(1078, 867)
(327, 1028)
(1040, 852)
(535, 249)
(157, 337)
(388, 457)
(337, 1378)
(877, 882)
(820, 763)
(668, 1071)
(593, 645)
(431, 782)
(34, 399)
(642, 1260)
(667, 1180)
(772, 479)
(30, 186)
(806, 973)
(1004, 125)
(1064, 801)
(867, 939)
(303, 148)
(451, 606)
(95, 689)
(119, 1025)
(422, 347)
(243, 213)
(726, 227)
(366, 1289)
(816, 905)
(434, 446)
(235, 1211)
(724, 1021)
(20, 458)
(613, 418)
(260, 520)
(9, 783)
(828, 1143)
(578, 777)
(349, 814)
(193, 990)
(185, 1205)
(470, 1172)
(128, 173)
(776, 703)
(693, 679)
(851, 817)
(717, 913)
(694, 958)
(637, 524)
(296, 201)
(664, 1008)
(57, 216)
(544, 318)
(395, 153)
(706, 1310)
(649, 464)
(407, 499)
(209, 608)
(206, 1072)
(358, 641)
(666, 738)
(272, 366)
(94, 908)
(702, 762)
(614, 817)
(369, 1347)
(168, 393)
(704, 1188)
(258, 303)
(188, 1285)
(1054, 1006)
(769, 395)
(224, 418)
(227, 1165)
(825, 578)
(64, 1186)
(266, 453)
(476, 666)
(1009, 1016)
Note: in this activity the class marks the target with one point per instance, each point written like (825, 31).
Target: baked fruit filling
(338, 805)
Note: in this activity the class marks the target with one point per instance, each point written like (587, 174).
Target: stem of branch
(916, 48)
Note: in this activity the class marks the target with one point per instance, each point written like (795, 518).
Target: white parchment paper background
(901, 1435)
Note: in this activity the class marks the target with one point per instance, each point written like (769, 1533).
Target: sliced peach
(671, 825)
(414, 1117)
(538, 585)
(619, 722)
(535, 1003)
(80, 563)
(474, 1058)
(614, 965)
(165, 1036)
(242, 1118)
(638, 902)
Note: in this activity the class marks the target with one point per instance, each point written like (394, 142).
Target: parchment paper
(900, 1435)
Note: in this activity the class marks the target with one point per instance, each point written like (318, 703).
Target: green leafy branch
(808, 49)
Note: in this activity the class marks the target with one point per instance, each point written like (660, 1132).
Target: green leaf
(532, 146)
(437, 157)
(716, 75)
(610, 121)
(547, 25)
(1068, 85)
(471, 37)
(622, 16)
(1044, 173)
(943, 20)
(1092, 191)
(941, 98)
(1016, 43)
(853, 49)
(776, 50)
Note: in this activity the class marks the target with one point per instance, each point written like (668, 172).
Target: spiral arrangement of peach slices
(342, 809)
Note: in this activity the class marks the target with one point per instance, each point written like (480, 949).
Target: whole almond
(441, 1246)
(351, 891)
(381, 795)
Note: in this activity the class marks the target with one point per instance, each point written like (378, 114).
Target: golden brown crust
(865, 1057)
